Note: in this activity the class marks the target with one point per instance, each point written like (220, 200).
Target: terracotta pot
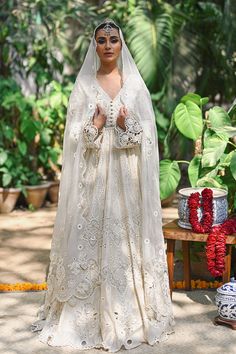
(37, 194)
(8, 199)
(199, 268)
(53, 191)
(167, 202)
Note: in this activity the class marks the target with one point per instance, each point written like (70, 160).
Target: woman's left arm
(131, 136)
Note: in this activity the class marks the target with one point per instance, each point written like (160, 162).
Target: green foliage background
(179, 46)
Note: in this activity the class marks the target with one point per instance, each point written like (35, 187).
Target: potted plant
(36, 189)
(52, 111)
(10, 181)
(11, 177)
(214, 161)
(20, 132)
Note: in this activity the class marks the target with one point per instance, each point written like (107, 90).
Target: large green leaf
(150, 38)
(3, 157)
(6, 179)
(55, 99)
(210, 182)
(188, 119)
(46, 136)
(230, 131)
(169, 177)
(232, 109)
(193, 169)
(214, 147)
(193, 97)
(8, 132)
(225, 159)
(218, 117)
(233, 165)
(22, 147)
(28, 128)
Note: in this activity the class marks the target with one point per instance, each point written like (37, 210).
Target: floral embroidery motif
(87, 314)
(92, 135)
(75, 132)
(91, 132)
(87, 275)
(92, 232)
(116, 275)
(133, 134)
(60, 270)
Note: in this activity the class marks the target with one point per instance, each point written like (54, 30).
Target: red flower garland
(216, 241)
(206, 204)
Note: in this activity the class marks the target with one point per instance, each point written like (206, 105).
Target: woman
(108, 280)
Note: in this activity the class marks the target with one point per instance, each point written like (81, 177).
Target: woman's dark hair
(104, 24)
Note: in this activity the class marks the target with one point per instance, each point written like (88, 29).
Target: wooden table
(174, 232)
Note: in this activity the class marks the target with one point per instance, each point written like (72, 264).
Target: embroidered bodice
(124, 138)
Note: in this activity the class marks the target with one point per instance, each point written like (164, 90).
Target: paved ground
(25, 240)
(24, 254)
(194, 331)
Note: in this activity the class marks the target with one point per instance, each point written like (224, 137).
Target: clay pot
(167, 202)
(37, 194)
(53, 191)
(8, 199)
(199, 268)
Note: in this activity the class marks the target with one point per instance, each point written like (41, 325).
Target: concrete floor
(194, 331)
(24, 255)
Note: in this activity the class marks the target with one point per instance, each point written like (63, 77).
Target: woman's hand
(121, 117)
(99, 117)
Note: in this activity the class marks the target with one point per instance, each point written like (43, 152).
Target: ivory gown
(109, 248)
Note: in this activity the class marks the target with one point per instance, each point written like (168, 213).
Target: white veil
(70, 220)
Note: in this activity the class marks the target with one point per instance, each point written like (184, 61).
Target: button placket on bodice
(111, 108)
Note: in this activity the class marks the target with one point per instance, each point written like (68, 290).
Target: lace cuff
(131, 136)
(92, 135)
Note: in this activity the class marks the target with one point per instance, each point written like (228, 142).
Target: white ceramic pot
(220, 206)
(226, 300)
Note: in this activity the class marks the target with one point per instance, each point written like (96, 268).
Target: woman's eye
(103, 41)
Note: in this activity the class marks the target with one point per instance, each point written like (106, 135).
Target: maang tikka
(108, 28)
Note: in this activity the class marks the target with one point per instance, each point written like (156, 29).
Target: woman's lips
(108, 54)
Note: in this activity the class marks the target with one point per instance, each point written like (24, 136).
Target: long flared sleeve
(92, 135)
(130, 137)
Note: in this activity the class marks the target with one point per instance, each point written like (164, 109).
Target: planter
(8, 199)
(167, 202)
(220, 206)
(53, 191)
(226, 301)
(37, 194)
(199, 268)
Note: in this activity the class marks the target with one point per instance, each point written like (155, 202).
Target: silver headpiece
(108, 28)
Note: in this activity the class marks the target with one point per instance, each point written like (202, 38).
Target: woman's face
(108, 45)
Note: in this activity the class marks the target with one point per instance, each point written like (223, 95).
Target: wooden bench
(172, 231)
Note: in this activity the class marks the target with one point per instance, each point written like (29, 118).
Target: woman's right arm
(93, 129)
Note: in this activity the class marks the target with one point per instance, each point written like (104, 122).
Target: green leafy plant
(214, 163)
(31, 134)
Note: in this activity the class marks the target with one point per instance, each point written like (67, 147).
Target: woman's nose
(108, 45)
